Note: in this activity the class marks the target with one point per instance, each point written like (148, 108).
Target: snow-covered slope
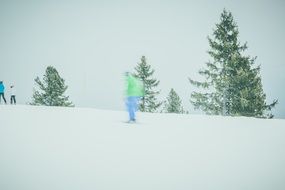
(53, 148)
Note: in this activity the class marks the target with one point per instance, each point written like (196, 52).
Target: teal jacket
(2, 88)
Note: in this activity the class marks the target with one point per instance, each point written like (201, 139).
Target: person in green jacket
(134, 91)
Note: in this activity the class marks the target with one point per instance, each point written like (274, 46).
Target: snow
(55, 148)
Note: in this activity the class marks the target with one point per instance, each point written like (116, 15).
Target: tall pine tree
(232, 83)
(51, 90)
(144, 72)
(173, 103)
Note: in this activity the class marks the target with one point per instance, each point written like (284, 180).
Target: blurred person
(2, 90)
(134, 91)
(13, 94)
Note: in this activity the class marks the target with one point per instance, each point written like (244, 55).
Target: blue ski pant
(132, 106)
(2, 95)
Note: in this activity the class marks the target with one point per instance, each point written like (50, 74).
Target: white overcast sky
(92, 43)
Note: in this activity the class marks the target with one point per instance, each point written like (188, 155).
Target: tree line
(232, 83)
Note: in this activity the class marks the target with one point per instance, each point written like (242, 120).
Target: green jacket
(135, 87)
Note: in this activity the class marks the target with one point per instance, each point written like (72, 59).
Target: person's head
(12, 86)
(127, 73)
(1, 81)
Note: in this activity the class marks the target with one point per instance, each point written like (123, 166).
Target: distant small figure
(2, 90)
(13, 94)
(134, 91)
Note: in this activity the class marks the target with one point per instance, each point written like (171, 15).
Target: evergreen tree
(144, 72)
(233, 84)
(173, 103)
(51, 90)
